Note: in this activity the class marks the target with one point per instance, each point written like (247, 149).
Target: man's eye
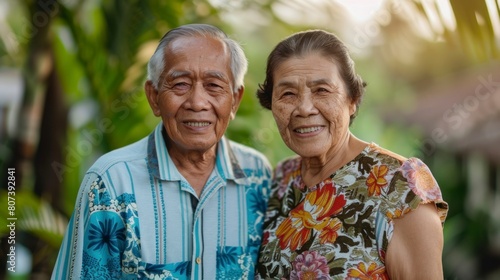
(214, 85)
(181, 85)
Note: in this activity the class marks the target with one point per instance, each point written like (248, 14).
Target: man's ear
(237, 97)
(152, 96)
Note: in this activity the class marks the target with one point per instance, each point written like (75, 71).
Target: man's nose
(198, 98)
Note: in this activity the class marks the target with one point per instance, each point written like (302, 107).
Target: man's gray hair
(238, 63)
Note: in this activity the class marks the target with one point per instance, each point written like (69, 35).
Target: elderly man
(184, 202)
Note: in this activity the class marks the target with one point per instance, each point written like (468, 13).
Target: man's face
(195, 98)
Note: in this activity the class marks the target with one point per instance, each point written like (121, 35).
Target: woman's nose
(306, 106)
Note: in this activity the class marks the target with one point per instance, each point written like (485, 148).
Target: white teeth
(308, 129)
(198, 124)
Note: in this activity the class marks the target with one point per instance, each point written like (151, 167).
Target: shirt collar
(161, 165)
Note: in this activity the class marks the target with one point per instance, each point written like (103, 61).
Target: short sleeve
(412, 185)
(95, 238)
(423, 184)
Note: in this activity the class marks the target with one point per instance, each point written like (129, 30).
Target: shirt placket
(199, 250)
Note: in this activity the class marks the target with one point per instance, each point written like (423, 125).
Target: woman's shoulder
(412, 179)
(288, 164)
(383, 153)
(411, 170)
(289, 160)
(395, 161)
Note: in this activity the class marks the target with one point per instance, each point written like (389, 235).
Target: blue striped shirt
(137, 217)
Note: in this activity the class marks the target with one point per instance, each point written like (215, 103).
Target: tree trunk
(40, 132)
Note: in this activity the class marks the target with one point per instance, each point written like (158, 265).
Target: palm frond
(35, 216)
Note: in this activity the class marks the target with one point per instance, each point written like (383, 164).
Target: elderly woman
(343, 208)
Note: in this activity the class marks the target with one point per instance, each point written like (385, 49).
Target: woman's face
(311, 105)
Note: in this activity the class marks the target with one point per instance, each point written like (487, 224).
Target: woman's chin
(308, 153)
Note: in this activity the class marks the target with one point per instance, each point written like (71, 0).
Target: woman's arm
(415, 250)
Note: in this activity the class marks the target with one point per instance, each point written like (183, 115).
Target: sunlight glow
(362, 10)
(495, 18)
(293, 11)
(433, 16)
(439, 19)
(447, 15)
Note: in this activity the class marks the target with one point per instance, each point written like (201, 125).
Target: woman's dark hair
(307, 42)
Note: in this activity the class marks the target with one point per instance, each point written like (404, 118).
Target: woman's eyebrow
(319, 82)
(285, 84)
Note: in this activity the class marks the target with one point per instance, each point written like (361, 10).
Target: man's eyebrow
(176, 74)
(216, 74)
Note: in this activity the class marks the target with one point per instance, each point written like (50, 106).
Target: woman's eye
(322, 90)
(287, 93)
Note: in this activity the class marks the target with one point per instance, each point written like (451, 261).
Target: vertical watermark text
(11, 219)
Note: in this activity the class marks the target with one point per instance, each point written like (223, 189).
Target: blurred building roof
(463, 114)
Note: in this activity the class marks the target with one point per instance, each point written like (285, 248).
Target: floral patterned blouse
(341, 227)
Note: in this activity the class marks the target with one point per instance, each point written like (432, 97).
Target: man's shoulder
(246, 153)
(254, 164)
(131, 153)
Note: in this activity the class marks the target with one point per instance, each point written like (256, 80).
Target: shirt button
(198, 260)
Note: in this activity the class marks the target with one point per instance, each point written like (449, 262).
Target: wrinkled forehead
(197, 56)
(306, 60)
(200, 43)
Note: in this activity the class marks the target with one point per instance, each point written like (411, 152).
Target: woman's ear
(152, 96)
(352, 108)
